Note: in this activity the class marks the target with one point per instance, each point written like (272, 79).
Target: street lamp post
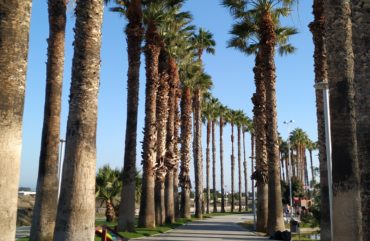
(290, 170)
(60, 166)
(324, 86)
(253, 197)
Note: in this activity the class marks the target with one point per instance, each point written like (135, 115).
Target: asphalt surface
(213, 229)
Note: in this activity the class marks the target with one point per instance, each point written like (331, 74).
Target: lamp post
(290, 169)
(253, 202)
(60, 165)
(324, 86)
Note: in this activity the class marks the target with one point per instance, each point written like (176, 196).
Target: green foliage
(297, 189)
(108, 183)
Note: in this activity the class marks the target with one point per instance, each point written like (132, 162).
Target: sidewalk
(213, 229)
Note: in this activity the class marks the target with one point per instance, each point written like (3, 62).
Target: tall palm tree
(132, 10)
(258, 31)
(176, 36)
(239, 124)
(76, 208)
(317, 28)
(360, 9)
(346, 180)
(46, 203)
(14, 29)
(161, 117)
(311, 146)
(215, 111)
(202, 41)
(206, 116)
(201, 84)
(299, 139)
(231, 118)
(246, 127)
(189, 71)
(221, 113)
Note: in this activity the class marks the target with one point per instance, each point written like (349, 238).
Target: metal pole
(290, 170)
(328, 153)
(60, 166)
(253, 202)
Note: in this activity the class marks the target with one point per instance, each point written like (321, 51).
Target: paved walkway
(213, 229)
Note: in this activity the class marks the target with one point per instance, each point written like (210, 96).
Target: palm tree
(108, 187)
(258, 31)
(46, 203)
(206, 116)
(188, 72)
(346, 180)
(361, 68)
(176, 35)
(14, 29)
(201, 84)
(312, 146)
(132, 10)
(299, 139)
(246, 127)
(76, 208)
(215, 106)
(320, 59)
(221, 113)
(239, 118)
(161, 117)
(203, 41)
(231, 118)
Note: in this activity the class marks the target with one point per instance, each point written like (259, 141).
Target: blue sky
(231, 72)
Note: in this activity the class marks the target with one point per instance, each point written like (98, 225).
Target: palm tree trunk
(222, 164)
(239, 169)
(198, 163)
(282, 168)
(171, 157)
(260, 174)
(275, 213)
(208, 160)
(14, 29)
(177, 155)
(161, 117)
(346, 189)
(43, 218)
(109, 213)
(186, 123)
(134, 32)
(361, 25)
(312, 171)
(152, 51)
(245, 174)
(76, 208)
(232, 168)
(214, 167)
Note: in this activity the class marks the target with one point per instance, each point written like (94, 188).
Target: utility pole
(290, 169)
(60, 165)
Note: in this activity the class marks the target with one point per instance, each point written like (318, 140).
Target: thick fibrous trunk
(346, 179)
(239, 169)
(361, 49)
(43, 218)
(76, 208)
(161, 121)
(171, 159)
(222, 164)
(152, 51)
(275, 212)
(198, 163)
(134, 32)
(185, 183)
(208, 161)
(14, 29)
(214, 168)
(259, 122)
(245, 174)
(232, 168)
